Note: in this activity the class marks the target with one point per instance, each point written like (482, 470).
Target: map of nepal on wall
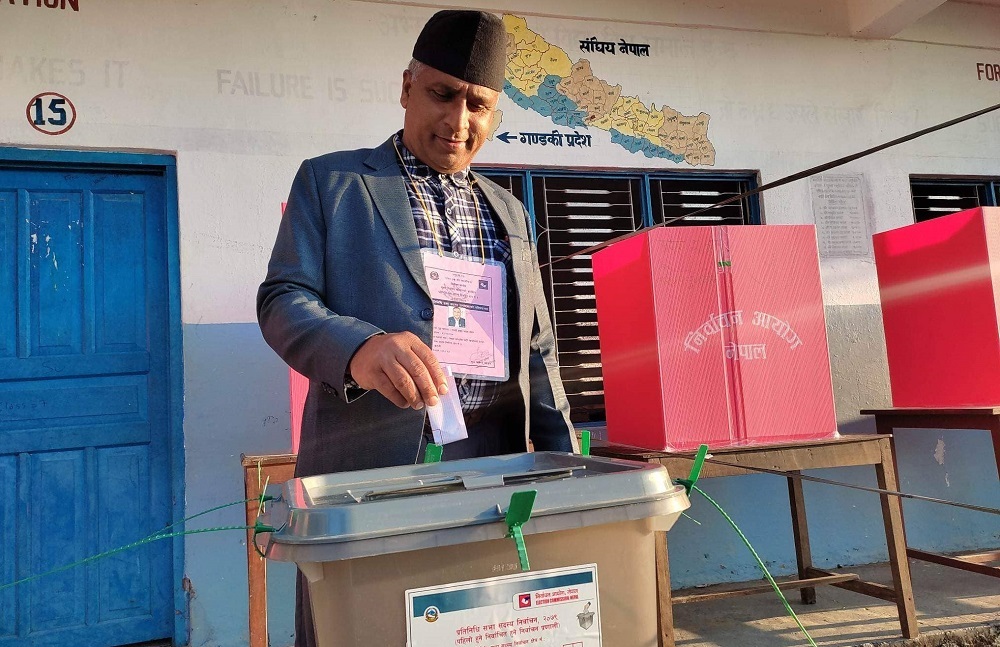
(542, 77)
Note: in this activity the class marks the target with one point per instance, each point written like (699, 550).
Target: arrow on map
(505, 137)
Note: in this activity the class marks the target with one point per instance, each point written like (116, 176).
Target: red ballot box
(714, 335)
(939, 283)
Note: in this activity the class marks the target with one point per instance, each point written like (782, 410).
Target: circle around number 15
(51, 113)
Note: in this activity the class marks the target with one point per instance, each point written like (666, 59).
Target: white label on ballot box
(553, 608)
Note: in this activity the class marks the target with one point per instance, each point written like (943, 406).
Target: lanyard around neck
(427, 211)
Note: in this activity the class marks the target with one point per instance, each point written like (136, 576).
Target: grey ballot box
(362, 539)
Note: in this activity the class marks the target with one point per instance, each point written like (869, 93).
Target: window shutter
(932, 199)
(676, 197)
(573, 213)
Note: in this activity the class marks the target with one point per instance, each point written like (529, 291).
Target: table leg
(665, 617)
(258, 600)
(892, 518)
(885, 428)
(256, 571)
(800, 533)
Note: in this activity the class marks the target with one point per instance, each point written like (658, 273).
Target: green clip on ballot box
(421, 555)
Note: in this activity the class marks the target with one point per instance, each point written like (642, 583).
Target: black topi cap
(469, 45)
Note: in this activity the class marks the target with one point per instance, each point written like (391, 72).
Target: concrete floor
(954, 608)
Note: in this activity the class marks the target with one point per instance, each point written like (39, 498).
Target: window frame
(989, 184)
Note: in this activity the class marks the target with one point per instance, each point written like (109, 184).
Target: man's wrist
(349, 381)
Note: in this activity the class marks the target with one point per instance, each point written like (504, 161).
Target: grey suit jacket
(346, 265)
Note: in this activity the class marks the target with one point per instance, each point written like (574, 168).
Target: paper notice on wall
(553, 608)
(838, 203)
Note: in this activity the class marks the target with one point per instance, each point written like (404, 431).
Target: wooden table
(273, 469)
(887, 421)
(792, 459)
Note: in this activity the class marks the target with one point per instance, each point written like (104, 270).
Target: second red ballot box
(939, 283)
(714, 335)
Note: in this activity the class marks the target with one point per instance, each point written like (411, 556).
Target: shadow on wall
(859, 365)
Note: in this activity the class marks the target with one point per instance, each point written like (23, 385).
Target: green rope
(204, 512)
(760, 563)
(263, 497)
(135, 544)
(159, 534)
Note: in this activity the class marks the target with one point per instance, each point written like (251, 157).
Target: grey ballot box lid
(412, 507)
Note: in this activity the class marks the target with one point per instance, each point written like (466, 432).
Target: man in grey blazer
(346, 302)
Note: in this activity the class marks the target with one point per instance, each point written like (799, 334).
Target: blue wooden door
(84, 431)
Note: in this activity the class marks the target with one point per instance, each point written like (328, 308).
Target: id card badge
(470, 314)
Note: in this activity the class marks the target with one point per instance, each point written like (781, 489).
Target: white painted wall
(163, 76)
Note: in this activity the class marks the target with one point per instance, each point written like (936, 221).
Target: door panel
(57, 483)
(120, 327)
(55, 294)
(122, 469)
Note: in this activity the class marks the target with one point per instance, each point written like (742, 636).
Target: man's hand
(400, 367)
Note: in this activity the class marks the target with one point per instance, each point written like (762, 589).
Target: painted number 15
(55, 107)
(51, 113)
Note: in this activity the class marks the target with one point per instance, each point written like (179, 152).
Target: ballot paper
(447, 421)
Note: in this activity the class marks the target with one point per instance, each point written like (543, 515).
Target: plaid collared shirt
(459, 221)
